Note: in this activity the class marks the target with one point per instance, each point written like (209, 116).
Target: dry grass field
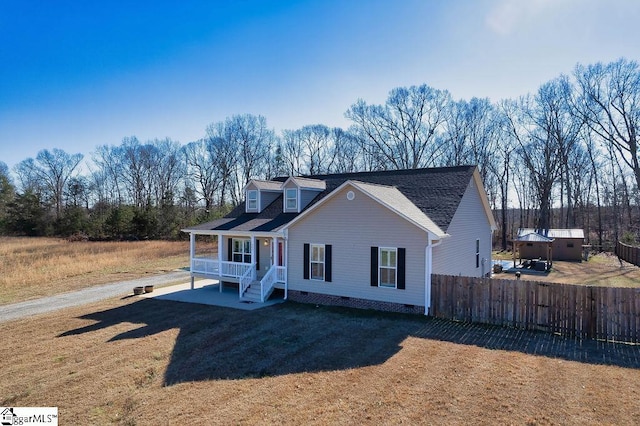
(36, 267)
(136, 361)
(149, 362)
(602, 269)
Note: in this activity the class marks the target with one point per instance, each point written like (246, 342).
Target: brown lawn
(36, 267)
(602, 269)
(150, 362)
(142, 361)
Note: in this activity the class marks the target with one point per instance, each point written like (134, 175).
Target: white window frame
(287, 198)
(250, 200)
(477, 252)
(320, 260)
(244, 244)
(388, 267)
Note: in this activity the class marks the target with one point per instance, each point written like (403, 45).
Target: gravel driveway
(83, 297)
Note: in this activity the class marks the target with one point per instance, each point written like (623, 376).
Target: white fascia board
(263, 234)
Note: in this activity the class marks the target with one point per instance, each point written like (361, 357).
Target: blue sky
(78, 74)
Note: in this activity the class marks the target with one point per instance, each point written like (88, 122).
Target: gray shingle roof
(434, 191)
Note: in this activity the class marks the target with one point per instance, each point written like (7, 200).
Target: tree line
(564, 156)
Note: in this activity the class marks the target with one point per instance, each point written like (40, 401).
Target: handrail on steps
(270, 278)
(246, 278)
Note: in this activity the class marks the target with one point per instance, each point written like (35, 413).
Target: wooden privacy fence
(570, 310)
(628, 253)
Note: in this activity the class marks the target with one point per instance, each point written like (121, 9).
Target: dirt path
(82, 297)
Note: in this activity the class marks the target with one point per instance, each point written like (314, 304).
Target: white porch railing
(247, 278)
(274, 275)
(245, 273)
(203, 265)
(236, 269)
(200, 265)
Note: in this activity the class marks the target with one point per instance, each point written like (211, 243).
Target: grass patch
(603, 269)
(146, 361)
(37, 267)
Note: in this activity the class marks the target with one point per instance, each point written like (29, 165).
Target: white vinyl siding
(456, 254)
(352, 228)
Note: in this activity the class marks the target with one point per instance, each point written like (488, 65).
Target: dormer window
(291, 199)
(252, 200)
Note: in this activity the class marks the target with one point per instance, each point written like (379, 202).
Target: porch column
(219, 236)
(253, 252)
(286, 265)
(192, 254)
(274, 257)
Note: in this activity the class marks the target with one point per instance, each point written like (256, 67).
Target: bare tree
(293, 152)
(202, 170)
(52, 169)
(170, 169)
(470, 135)
(108, 176)
(347, 152)
(545, 129)
(610, 104)
(402, 134)
(253, 141)
(225, 154)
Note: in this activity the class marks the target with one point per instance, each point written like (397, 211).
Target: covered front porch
(209, 292)
(256, 262)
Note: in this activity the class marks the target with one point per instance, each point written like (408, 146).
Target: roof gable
(306, 183)
(264, 185)
(387, 196)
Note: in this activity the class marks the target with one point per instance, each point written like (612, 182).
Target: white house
(372, 238)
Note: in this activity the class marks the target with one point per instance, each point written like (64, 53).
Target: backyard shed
(558, 244)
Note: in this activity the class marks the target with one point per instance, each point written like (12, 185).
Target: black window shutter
(327, 263)
(257, 249)
(374, 266)
(305, 259)
(401, 268)
(230, 249)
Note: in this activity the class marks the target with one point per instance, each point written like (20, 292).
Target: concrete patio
(207, 292)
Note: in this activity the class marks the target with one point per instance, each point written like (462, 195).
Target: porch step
(252, 293)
